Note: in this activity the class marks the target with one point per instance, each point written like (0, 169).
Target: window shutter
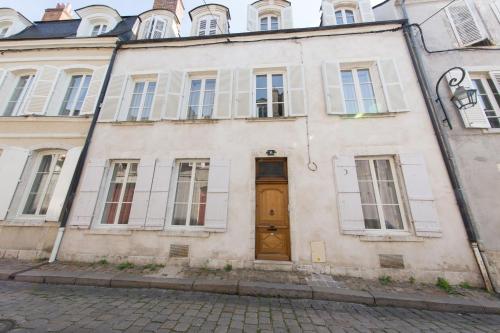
(94, 90)
(334, 98)
(175, 94)
(297, 105)
(348, 195)
(63, 183)
(287, 16)
(12, 162)
(252, 19)
(223, 100)
(418, 188)
(495, 6)
(142, 191)
(328, 16)
(393, 90)
(202, 28)
(147, 28)
(43, 87)
(113, 100)
(464, 23)
(473, 117)
(85, 202)
(159, 29)
(365, 8)
(495, 76)
(59, 91)
(158, 201)
(244, 84)
(160, 96)
(217, 194)
(6, 79)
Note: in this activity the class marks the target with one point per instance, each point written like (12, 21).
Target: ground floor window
(488, 98)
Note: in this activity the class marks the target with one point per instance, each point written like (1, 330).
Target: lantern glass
(464, 98)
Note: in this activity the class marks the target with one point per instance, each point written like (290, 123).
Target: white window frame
(357, 88)
(344, 15)
(23, 97)
(147, 82)
(199, 112)
(269, 93)
(101, 29)
(151, 25)
(208, 30)
(269, 20)
(78, 92)
(489, 94)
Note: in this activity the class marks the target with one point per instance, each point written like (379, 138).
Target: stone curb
(261, 289)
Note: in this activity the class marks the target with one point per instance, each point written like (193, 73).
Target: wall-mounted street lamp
(463, 98)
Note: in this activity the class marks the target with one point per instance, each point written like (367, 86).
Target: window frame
(357, 87)
(130, 98)
(343, 10)
(103, 28)
(84, 75)
(23, 96)
(150, 28)
(269, 74)
(207, 31)
(4, 30)
(269, 22)
(199, 113)
(484, 77)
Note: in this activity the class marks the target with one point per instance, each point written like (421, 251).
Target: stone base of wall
(27, 242)
(492, 261)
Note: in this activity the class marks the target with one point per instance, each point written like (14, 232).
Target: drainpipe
(70, 196)
(446, 151)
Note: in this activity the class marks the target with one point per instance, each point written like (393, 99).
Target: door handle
(272, 228)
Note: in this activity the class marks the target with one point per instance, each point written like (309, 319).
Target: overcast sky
(306, 12)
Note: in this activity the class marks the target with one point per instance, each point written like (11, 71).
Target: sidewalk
(254, 283)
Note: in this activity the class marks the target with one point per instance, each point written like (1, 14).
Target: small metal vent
(179, 251)
(391, 261)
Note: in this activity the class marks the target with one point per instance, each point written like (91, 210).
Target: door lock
(272, 228)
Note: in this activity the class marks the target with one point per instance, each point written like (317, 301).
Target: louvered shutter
(113, 100)
(393, 90)
(217, 194)
(495, 76)
(12, 163)
(175, 94)
(252, 18)
(223, 100)
(202, 28)
(57, 98)
(158, 201)
(473, 117)
(495, 6)
(332, 85)
(142, 191)
(297, 105)
(348, 195)
(244, 84)
(43, 86)
(84, 206)
(287, 15)
(159, 28)
(147, 28)
(421, 199)
(63, 183)
(466, 26)
(366, 11)
(328, 10)
(94, 90)
(5, 89)
(160, 99)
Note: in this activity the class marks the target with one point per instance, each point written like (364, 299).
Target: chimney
(175, 6)
(61, 12)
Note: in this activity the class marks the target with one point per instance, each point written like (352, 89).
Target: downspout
(444, 146)
(70, 196)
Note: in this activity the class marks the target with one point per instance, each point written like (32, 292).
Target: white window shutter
(465, 24)
(366, 11)
(297, 105)
(421, 199)
(348, 195)
(495, 6)
(158, 201)
(84, 206)
(59, 91)
(393, 89)
(12, 163)
(473, 117)
(5, 89)
(287, 17)
(495, 76)
(63, 183)
(176, 87)
(142, 191)
(160, 96)
(94, 90)
(43, 87)
(147, 27)
(328, 13)
(224, 97)
(244, 87)
(332, 85)
(113, 100)
(252, 18)
(217, 194)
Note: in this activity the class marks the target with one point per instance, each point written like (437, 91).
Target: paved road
(41, 308)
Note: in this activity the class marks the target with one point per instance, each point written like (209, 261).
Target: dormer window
(155, 28)
(99, 29)
(207, 26)
(269, 22)
(3, 31)
(345, 16)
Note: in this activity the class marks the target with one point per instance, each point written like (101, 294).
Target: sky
(306, 12)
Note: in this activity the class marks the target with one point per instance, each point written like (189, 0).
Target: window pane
(262, 110)
(277, 80)
(95, 30)
(70, 97)
(338, 17)
(278, 95)
(349, 15)
(393, 219)
(83, 93)
(41, 178)
(383, 170)
(148, 101)
(274, 23)
(263, 24)
(261, 81)
(110, 210)
(271, 169)
(496, 93)
(261, 95)
(368, 199)
(372, 219)
(278, 110)
(209, 98)
(180, 214)
(202, 171)
(22, 85)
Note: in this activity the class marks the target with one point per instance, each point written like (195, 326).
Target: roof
(380, 4)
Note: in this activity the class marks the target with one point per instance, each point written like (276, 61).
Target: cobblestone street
(41, 308)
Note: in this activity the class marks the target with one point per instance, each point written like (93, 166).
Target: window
(270, 95)
(489, 98)
(380, 196)
(75, 95)
(142, 100)
(154, 28)
(191, 193)
(207, 26)
(269, 22)
(359, 95)
(4, 31)
(345, 16)
(18, 97)
(98, 29)
(201, 98)
(120, 192)
(48, 168)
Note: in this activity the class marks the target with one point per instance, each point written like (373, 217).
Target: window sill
(391, 238)
(133, 123)
(194, 121)
(184, 233)
(109, 232)
(257, 120)
(491, 131)
(27, 223)
(368, 115)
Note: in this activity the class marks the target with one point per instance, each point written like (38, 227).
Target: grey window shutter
(94, 90)
(348, 195)
(297, 105)
(334, 98)
(287, 17)
(495, 76)
(252, 18)
(465, 24)
(176, 88)
(421, 199)
(244, 86)
(224, 100)
(159, 194)
(113, 100)
(495, 6)
(44, 86)
(217, 194)
(328, 10)
(12, 163)
(393, 89)
(84, 207)
(63, 183)
(142, 191)
(366, 11)
(160, 100)
(473, 117)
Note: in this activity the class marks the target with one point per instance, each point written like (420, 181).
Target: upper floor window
(98, 29)
(142, 100)
(359, 95)
(154, 28)
(3, 31)
(269, 22)
(207, 26)
(201, 98)
(345, 16)
(489, 98)
(75, 95)
(18, 97)
(270, 95)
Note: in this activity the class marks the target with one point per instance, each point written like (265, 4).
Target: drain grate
(6, 325)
